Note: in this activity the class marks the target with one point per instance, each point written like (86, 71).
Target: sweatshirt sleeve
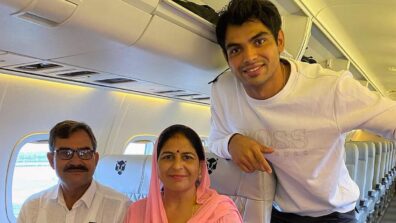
(219, 133)
(356, 107)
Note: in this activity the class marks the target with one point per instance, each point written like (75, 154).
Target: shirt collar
(87, 198)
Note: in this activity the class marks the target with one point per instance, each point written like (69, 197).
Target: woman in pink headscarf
(179, 187)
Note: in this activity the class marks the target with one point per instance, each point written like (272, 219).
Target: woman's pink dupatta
(151, 210)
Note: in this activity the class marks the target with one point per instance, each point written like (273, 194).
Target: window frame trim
(28, 138)
(143, 137)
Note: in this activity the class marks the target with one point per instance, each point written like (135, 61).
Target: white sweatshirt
(305, 123)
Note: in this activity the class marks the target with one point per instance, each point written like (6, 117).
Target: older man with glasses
(77, 197)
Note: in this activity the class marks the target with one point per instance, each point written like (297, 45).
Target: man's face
(253, 54)
(74, 172)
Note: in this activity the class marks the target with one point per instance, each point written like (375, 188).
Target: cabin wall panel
(31, 108)
(138, 115)
(3, 164)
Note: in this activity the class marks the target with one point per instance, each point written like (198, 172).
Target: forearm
(219, 145)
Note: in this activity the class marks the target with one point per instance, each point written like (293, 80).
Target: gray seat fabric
(393, 164)
(390, 160)
(374, 172)
(351, 160)
(369, 146)
(253, 193)
(384, 162)
(393, 144)
(377, 164)
(370, 166)
(361, 180)
(128, 174)
(367, 206)
(362, 169)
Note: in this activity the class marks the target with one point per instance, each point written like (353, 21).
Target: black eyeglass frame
(85, 153)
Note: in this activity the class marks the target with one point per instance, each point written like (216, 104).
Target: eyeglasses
(68, 153)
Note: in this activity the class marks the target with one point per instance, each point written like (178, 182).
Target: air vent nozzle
(115, 80)
(186, 95)
(201, 99)
(39, 66)
(78, 74)
(167, 92)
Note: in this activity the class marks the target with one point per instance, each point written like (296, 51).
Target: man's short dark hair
(64, 129)
(240, 11)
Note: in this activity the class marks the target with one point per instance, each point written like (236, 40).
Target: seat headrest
(229, 179)
(128, 174)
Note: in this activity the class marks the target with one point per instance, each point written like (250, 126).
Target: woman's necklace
(194, 209)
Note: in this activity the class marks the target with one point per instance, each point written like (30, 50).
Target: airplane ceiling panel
(140, 64)
(365, 32)
(7, 59)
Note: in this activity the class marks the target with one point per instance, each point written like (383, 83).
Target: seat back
(377, 164)
(253, 193)
(370, 165)
(362, 169)
(393, 143)
(384, 159)
(128, 174)
(390, 157)
(351, 159)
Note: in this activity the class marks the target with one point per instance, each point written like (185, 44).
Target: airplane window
(141, 145)
(31, 174)
(204, 141)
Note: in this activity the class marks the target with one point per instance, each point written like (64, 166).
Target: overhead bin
(178, 15)
(167, 38)
(121, 20)
(176, 49)
(100, 25)
(118, 20)
(297, 29)
(176, 32)
(70, 27)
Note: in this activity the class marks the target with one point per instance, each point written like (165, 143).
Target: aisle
(390, 214)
